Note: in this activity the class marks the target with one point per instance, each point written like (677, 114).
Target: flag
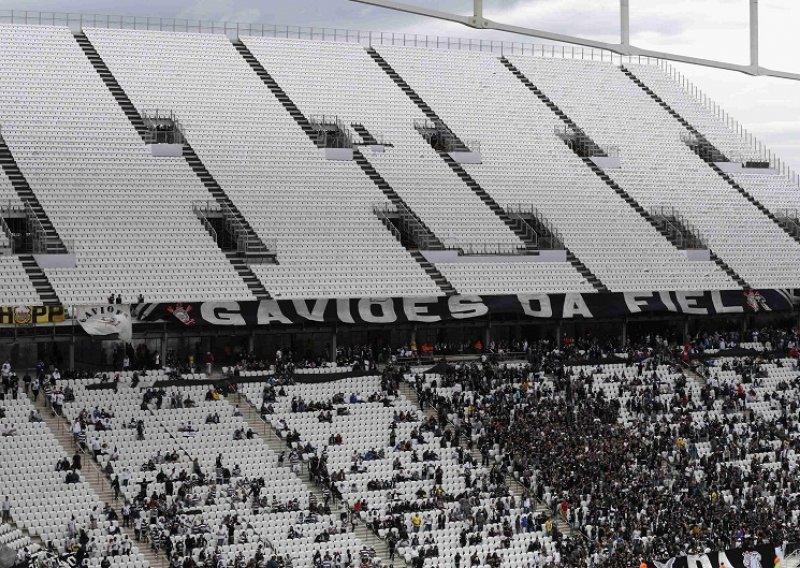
(106, 320)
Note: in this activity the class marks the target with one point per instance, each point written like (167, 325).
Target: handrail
(686, 234)
(202, 214)
(247, 244)
(452, 142)
(8, 232)
(503, 249)
(548, 236)
(78, 21)
(745, 135)
(319, 122)
(153, 118)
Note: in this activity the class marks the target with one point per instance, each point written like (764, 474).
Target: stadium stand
(577, 450)
(42, 503)
(329, 241)
(660, 169)
(772, 189)
(91, 171)
(229, 114)
(599, 227)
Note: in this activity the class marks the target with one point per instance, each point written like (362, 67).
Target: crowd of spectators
(648, 468)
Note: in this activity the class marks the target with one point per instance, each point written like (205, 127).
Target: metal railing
(548, 237)
(163, 127)
(378, 137)
(78, 21)
(682, 233)
(411, 227)
(578, 138)
(245, 242)
(499, 249)
(789, 220)
(10, 236)
(201, 210)
(447, 139)
(760, 150)
(331, 132)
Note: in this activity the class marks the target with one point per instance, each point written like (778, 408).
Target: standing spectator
(35, 386)
(6, 509)
(209, 360)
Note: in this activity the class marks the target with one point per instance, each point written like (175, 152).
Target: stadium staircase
(267, 433)
(111, 83)
(599, 172)
(246, 273)
(523, 231)
(39, 280)
(259, 252)
(711, 155)
(412, 94)
(276, 90)
(413, 241)
(358, 157)
(366, 138)
(91, 473)
(434, 273)
(519, 230)
(36, 275)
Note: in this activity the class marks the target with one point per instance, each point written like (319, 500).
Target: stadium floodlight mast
(623, 48)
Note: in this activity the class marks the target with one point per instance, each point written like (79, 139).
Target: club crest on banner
(756, 301)
(23, 315)
(182, 313)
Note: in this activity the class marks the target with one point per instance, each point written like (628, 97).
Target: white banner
(106, 320)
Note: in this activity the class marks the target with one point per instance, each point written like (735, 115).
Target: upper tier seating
(329, 241)
(622, 249)
(660, 170)
(449, 207)
(127, 214)
(700, 117)
(775, 191)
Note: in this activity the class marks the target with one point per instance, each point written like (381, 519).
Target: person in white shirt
(5, 370)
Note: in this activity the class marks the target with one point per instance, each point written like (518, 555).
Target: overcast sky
(709, 28)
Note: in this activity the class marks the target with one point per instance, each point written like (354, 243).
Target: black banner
(765, 556)
(466, 307)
